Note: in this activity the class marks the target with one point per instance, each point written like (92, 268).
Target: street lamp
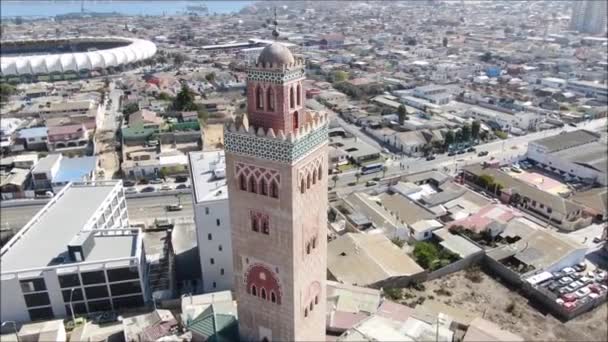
(14, 328)
(71, 306)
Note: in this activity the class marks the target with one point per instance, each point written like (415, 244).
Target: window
(314, 177)
(37, 299)
(302, 186)
(242, 186)
(306, 312)
(254, 224)
(310, 306)
(214, 285)
(69, 280)
(308, 248)
(129, 287)
(100, 305)
(221, 271)
(32, 285)
(270, 99)
(217, 222)
(263, 187)
(316, 300)
(219, 248)
(252, 185)
(127, 302)
(320, 172)
(254, 290)
(274, 190)
(212, 261)
(292, 98)
(206, 210)
(296, 122)
(209, 237)
(76, 295)
(273, 297)
(94, 277)
(125, 273)
(79, 309)
(549, 210)
(263, 293)
(308, 181)
(259, 97)
(96, 292)
(265, 228)
(298, 95)
(314, 242)
(41, 314)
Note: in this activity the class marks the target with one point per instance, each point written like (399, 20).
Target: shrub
(397, 241)
(473, 274)
(443, 292)
(425, 254)
(393, 293)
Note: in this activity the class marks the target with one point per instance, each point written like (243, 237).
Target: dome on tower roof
(276, 54)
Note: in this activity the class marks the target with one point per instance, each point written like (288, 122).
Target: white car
(130, 191)
(166, 187)
(582, 292)
(568, 270)
(565, 280)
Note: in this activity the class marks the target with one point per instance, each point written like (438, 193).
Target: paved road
(140, 209)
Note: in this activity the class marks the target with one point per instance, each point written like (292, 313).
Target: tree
(179, 59)
(485, 180)
(449, 138)
(6, 90)
(425, 254)
(384, 169)
(475, 128)
(130, 109)
(357, 176)
(466, 132)
(445, 42)
(402, 113)
(164, 96)
(210, 77)
(515, 199)
(335, 179)
(340, 76)
(184, 101)
(393, 293)
(411, 41)
(486, 57)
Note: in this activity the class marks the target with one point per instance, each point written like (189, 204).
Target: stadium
(70, 58)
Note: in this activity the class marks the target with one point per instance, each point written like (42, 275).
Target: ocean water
(50, 8)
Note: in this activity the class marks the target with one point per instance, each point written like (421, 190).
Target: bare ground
(507, 308)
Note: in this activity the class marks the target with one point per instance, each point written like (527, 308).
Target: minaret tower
(276, 166)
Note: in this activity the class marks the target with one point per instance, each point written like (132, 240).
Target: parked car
(181, 186)
(553, 286)
(451, 153)
(582, 292)
(46, 194)
(371, 183)
(461, 152)
(143, 181)
(106, 317)
(156, 181)
(166, 187)
(181, 179)
(148, 189)
(471, 149)
(174, 207)
(128, 183)
(569, 297)
(130, 191)
(575, 284)
(597, 240)
(565, 280)
(482, 153)
(569, 306)
(430, 158)
(568, 270)
(563, 290)
(586, 280)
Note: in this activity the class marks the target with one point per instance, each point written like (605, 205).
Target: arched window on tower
(274, 189)
(314, 177)
(299, 95)
(296, 119)
(265, 226)
(270, 99)
(263, 293)
(259, 97)
(252, 185)
(242, 182)
(254, 224)
(292, 98)
(302, 186)
(273, 297)
(263, 187)
(320, 173)
(254, 290)
(308, 181)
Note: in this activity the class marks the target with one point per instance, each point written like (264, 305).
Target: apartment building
(212, 219)
(504, 121)
(68, 138)
(588, 88)
(76, 252)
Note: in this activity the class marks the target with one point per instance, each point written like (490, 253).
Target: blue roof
(74, 169)
(33, 132)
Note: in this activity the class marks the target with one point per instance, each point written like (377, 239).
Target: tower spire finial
(275, 31)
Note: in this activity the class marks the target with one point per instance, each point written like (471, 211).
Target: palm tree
(384, 169)
(357, 176)
(335, 179)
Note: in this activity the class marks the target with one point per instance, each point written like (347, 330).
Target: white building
(212, 219)
(77, 251)
(504, 121)
(588, 88)
(578, 154)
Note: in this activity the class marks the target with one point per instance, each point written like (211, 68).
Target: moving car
(471, 149)
(181, 179)
(166, 187)
(148, 189)
(461, 152)
(130, 191)
(181, 186)
(482, 153)
(371, 183)
(128, 183)
(451, 153)
(430, 158)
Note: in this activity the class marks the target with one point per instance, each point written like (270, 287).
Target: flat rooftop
(206, 185)
(59, 221)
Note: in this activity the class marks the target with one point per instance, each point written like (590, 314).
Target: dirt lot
(510, 310)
